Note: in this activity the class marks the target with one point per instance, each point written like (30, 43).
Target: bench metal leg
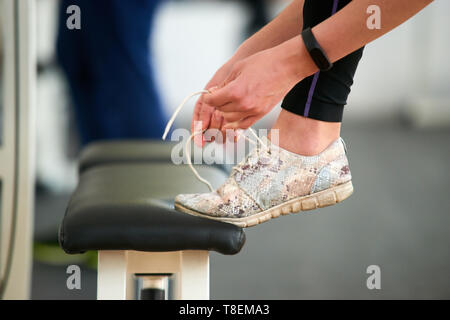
(154, 287)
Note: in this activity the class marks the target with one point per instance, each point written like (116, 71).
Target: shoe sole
(316, 200)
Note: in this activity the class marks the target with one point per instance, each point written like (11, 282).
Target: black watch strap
(315, 50)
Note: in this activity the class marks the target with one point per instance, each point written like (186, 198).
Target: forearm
(347, 31)
(285, 26)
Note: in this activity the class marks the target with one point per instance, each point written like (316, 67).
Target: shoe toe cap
(184, 198)
(206, 203)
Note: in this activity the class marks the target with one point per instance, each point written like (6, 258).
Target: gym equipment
(121, 210)
(17, 147)
(124, 151)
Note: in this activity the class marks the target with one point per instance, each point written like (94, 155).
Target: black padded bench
(127, 151)
(124, 151)
(124, 209)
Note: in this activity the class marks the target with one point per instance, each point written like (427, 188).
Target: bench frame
(17, 150)
(116, 270)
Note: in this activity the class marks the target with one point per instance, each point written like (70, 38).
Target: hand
(254, 86)
(209, 117)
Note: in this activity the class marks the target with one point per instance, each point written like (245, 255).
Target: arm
(257, 83)
(346, 31)
(284, 27)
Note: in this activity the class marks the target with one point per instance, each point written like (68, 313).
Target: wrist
(241, 53)
(295, 59)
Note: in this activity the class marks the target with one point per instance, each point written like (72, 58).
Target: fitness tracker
(315, 50)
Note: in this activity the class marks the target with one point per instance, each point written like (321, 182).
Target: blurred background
(396, 125)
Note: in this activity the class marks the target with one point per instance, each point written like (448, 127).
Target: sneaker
(271, 182)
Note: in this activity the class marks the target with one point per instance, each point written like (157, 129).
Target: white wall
(411, 61)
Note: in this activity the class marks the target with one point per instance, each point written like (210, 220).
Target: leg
(311, 169)
(321, 96)
(112, 275)
(315, 135)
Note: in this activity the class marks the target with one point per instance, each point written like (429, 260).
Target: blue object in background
(109, 69)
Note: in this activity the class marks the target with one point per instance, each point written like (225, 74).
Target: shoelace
(187, 146)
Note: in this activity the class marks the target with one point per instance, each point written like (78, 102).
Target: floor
(397, 219)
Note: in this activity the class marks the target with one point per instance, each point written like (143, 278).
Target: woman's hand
(247, 87)
(253, 87)
(205, 114)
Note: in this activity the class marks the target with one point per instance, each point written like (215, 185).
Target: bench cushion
(119, 207)
(124, 151)
(131, 151)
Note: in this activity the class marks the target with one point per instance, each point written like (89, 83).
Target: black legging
(323, 95)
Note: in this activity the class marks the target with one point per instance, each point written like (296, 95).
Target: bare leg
(305, 136)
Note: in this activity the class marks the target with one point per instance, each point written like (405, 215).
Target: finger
(229, 135)
(235, 116)
(223, 131)
(201, 114)
(221, 96)
(212, 89)
(195, 114)
(216, 122)
(205, 116)
(203, 121)
(198, 137)
(242, 124)
(235, 106)
(195, 122)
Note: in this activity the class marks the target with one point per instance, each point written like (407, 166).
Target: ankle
(304, 136)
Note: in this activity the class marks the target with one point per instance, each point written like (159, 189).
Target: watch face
(320, 59)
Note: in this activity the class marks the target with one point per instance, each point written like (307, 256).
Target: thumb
(219, 96)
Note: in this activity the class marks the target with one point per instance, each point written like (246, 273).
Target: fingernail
(217, 115)
(212, 89)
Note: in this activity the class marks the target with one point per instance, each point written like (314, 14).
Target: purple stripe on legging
(316, 75)
(335, 4)
(310, 94)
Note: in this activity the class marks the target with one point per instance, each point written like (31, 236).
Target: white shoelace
(187, 146)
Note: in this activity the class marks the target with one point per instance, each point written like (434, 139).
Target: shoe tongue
(266, 140)
(270, 144)
(274, 149)
(266, 146)
(265, 143)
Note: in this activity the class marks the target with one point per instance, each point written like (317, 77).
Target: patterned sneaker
(271, 182)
